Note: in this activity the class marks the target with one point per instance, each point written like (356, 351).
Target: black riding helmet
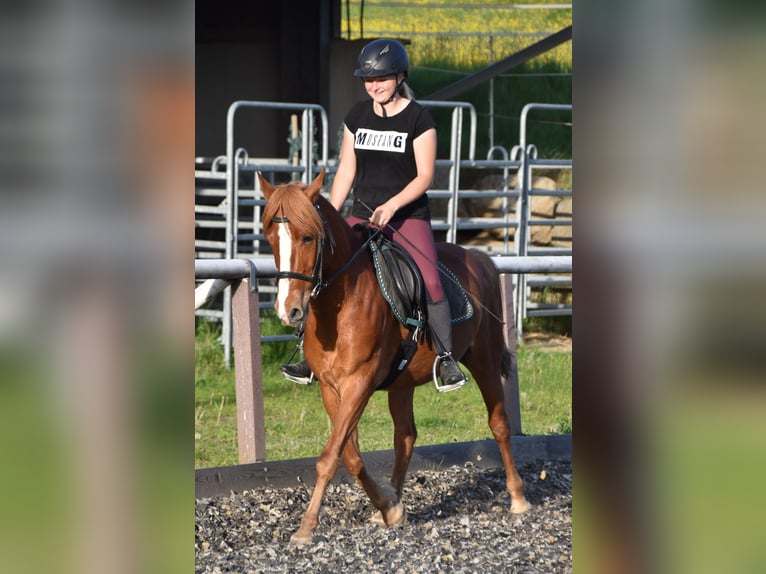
(382, 58)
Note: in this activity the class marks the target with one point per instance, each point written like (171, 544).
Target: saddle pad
(459, 304)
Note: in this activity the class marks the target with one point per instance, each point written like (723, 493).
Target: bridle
(316, 274)
(315, 279)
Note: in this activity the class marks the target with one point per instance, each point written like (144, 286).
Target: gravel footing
(458, 520)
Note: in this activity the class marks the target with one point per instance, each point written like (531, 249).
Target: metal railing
(529, 162)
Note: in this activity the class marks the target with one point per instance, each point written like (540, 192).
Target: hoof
(395, 515)
(520, 506)
(377, 518)
(301, 538)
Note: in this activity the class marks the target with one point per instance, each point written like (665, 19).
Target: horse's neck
(343, 244)
(344, 255)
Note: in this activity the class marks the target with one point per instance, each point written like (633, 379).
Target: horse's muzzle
(295, 316)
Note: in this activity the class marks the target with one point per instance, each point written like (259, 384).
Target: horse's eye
(307, 239)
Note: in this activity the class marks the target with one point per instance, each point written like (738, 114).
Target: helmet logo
(385, 50)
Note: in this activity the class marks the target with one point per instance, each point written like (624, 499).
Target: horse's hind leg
(486, 372)
(513, 481)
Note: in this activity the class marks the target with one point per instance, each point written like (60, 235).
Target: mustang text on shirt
(380, 140)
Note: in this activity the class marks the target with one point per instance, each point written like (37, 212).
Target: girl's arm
(344, 177)
(424, 147)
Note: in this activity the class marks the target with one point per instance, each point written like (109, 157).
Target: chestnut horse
(351, 337)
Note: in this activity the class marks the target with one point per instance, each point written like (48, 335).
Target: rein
(346, 265)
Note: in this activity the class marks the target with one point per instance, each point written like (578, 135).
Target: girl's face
(381, 88)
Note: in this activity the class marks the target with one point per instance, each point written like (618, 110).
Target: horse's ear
(312, 191)
(266, 187)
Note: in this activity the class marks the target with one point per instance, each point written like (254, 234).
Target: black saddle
(402, 286)
(400, 282)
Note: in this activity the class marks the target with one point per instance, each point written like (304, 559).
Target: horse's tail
(493, 302)
(505, 366)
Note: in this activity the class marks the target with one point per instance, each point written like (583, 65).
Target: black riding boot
(441, 333)
(299, 372)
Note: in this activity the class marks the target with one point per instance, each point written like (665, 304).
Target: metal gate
(228, 202)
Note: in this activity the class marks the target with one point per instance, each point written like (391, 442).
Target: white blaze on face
(285, 254)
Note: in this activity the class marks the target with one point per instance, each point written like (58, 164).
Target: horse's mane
(289, 201)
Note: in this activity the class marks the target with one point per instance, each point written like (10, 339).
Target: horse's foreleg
(344, 413)
(405, 433)
(382, 496)
(327, 464)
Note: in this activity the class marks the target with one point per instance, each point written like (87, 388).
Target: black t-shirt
(385, 160)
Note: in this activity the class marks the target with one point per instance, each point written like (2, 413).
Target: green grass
(297, 425)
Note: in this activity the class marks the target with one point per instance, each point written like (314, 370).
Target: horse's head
(296, 232)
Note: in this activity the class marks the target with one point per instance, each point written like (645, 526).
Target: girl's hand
(382, 215)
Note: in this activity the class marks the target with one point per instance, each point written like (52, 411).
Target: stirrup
(296, 372)
(442, 388)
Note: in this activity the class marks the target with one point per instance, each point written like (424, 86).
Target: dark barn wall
(343, 88)
(265, 51)
(226, 73)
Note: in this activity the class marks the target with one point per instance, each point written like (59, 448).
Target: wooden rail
(222, 480)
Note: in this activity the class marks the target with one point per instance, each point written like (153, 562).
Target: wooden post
(510, 383)
(249, 372)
